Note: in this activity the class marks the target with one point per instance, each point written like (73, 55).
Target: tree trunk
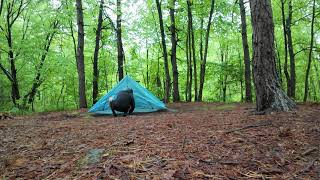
(187, 79)
(80, 56)
(241, 77)
(203, 63)
(193, 50)
(189, 63)
(95, 88)
(285, 68)
(292, 84)
(224, 77)
(246, 56)
(15, 94)
(165, 54)
(119, 41)
(279, 63)
(306, 85)
(175, 73)
(1, 6)
(37, 80)
(148, 78)
(269, 95)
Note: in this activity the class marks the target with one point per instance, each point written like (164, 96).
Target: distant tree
(175, 73)
(246, 56)
(165, 54)
(306, 85)
(269, 95)
(12, 11)
(80, 56)
(292, 84)
(288, 44)
(29, 97)
(194, 57)
(119, 41)
(95, 80)
(205, 55)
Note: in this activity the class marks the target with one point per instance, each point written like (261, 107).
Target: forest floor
(197, 141)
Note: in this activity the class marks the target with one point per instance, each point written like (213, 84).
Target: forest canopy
(181, 50)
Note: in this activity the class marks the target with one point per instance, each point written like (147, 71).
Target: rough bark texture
(175, 73)
(306, 85)
(80, 56)
(119, 41)
(246, 56)
(165, 54)
(95, 87)
(269, 95)
(203, 63)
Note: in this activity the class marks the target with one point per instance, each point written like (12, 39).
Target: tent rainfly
(145, 101)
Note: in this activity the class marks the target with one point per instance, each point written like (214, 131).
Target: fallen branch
(259, 124)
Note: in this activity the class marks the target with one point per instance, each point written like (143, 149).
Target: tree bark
(189, 58)
(119, 41)
(165, 54)
(269, 95)
(95, 87)
(306, 85)
(80, 56)
(194, 58)
(285, 68)
(246, 56)
(206, 47)
(175, 73)
(292, 84)
(188, 74)
(148, 78)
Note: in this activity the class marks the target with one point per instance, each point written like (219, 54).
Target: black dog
(124, 102)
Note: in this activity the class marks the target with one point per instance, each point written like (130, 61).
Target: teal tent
(145, 101)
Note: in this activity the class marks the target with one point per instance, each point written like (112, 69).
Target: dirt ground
(197, 141)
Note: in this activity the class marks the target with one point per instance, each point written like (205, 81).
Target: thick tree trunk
(80, 56)
(246, 56)
(269, 95)
(203, 63)
(119, 41)
(306, 85)
(165, 54)
(194, 57)
(292, 84)
(285, 68)
(175, 73)
(95, 87)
